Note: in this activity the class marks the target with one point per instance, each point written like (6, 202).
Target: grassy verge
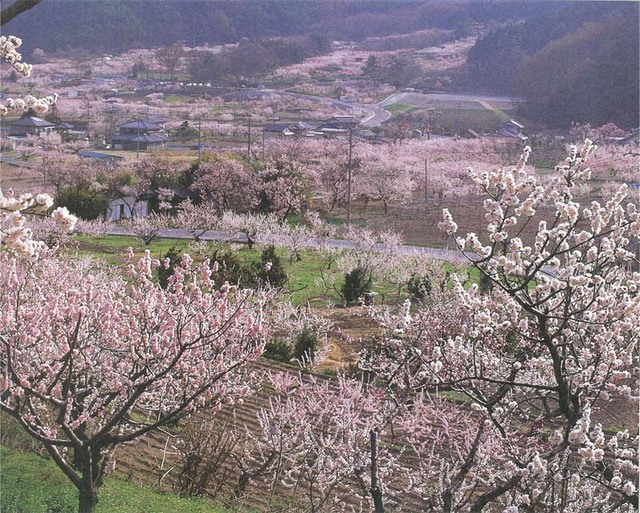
(32, 484)
(399, 107)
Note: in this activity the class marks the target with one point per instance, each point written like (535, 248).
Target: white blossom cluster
(8, 51)
(563, 314)
(20, 105)
(14, 232)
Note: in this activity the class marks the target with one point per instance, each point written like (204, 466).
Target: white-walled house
(126, 208)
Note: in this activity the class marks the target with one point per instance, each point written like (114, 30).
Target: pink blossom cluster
(314, 438)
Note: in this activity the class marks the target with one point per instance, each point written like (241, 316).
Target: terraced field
(154, 460)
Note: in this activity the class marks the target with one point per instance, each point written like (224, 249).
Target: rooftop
(32, 121)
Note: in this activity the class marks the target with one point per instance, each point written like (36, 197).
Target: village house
(276, 131)
(337, 126)
(511, 130)
(345, 122)
(125, 208)
(139, 135)
(31, 125)
(156, 120)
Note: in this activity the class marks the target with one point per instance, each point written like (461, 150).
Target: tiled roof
(32, 121)
(148, 138)
(141, 125)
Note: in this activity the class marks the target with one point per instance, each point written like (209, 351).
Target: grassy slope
(302, 287)
(32, 484)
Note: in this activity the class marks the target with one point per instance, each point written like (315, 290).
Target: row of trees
(255, 58)
(296, 176)
(289, 179)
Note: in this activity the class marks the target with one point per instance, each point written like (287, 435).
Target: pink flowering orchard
(91, 360)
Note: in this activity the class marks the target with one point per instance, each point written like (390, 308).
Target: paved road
(238, 237)
(375, 113)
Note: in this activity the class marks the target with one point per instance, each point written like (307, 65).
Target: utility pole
(249, 141)
(349, 173)
(426, 179)
(199, 140)
(138, 141)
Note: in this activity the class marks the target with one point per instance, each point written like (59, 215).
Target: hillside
(61, 25)
(578, 65)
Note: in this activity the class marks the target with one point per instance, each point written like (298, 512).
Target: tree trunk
(376, 492)
(88, 496)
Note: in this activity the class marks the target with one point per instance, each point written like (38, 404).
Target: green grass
(303, 269)
(32, 484)
(479, 120)
(113, 248)
(399, 107)
(177, 98)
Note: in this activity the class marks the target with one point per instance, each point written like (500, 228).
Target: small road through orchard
(239, 237)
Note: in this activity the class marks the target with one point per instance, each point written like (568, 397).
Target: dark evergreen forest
(576, 65)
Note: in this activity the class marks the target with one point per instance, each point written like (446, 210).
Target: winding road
(376, 113)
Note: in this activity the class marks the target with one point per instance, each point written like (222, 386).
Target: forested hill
(577, 65)
(114, 26)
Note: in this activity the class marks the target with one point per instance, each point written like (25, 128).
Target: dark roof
(148, 138)
(513, 123)
(32, 121)
(157, 120)
(301, 125)
(331, 128)
(140, 125)
(343, 120)
(276, 127)
(98, 155)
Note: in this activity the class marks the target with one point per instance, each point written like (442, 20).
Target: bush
(356, 283)
(231, 270)
(83, 201)
(279, 350)
(419, 287)
(270, 269)
(306, 345)
(164, 274)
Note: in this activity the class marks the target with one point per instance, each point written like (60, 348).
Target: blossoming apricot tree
(535, 359)
(91, 360)
(9, 52)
